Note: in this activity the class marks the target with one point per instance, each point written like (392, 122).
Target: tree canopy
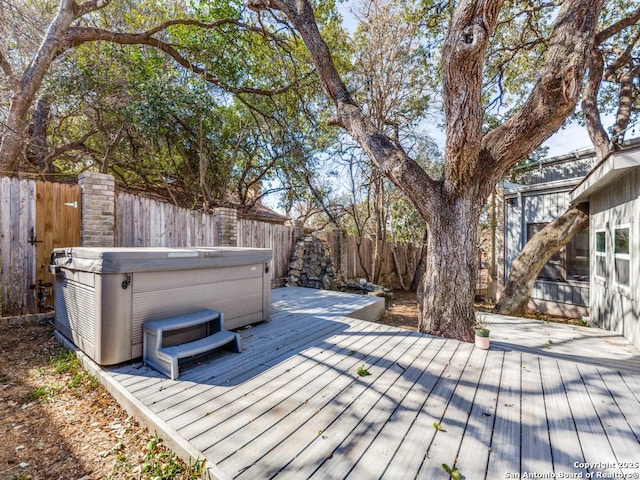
(226, 96)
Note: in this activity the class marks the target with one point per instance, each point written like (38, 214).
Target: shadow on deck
(293, 405)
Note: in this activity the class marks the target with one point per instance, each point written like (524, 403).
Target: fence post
(98, 209)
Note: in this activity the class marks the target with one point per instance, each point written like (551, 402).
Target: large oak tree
(474, 160)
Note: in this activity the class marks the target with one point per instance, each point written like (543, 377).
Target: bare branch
(554, 95)
(76, 145)
(6, 68)
(211, 25)
(624, 57)
(391, 161)
(617, 27)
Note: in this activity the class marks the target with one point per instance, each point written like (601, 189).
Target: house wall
(568, 299)
(613, 307)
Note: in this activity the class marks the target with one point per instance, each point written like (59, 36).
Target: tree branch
(625, 57)
(528, 265)
(464, 47)
(76, 145)
(6, 69)
(553, 97)
(617, 27)
(390, 160)
(590, 110)
(89, 6)
(78, 35)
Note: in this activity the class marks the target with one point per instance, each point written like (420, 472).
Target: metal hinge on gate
(33, 240)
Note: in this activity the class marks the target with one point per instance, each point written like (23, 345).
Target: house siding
(613, 307)
(543, 194)
(557, 298)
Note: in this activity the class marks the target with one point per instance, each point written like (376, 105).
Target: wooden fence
(357, 259)
(17, 254)
(280, 238)
(144, 222)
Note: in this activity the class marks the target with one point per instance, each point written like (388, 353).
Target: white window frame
(621, 256)
(600, 254)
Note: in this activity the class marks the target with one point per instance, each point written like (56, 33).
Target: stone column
(298, 230)
(98, 209)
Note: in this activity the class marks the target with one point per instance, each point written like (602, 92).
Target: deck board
(446, 442)
(417, 382)
(164, 401)
(291, 405)
(332, 420)
(593, 439)
(473, 455)
(304, 395)
(563, 436)
(504, 457)
(535, 450)
(407, 461)
(620, 436)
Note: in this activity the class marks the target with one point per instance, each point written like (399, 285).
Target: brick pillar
(227, 227)
(98, 209)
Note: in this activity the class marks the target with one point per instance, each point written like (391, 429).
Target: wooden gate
(58, 224)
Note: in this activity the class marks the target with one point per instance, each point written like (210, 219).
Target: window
(552, 270)
(577, 258)
(570, 262)
(622, 258)
(601, 254)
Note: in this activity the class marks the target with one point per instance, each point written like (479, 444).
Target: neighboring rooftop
(574, 165)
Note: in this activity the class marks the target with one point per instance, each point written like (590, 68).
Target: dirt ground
(57, 422)
(403, 312)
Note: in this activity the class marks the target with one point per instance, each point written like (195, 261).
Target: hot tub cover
(145, 259)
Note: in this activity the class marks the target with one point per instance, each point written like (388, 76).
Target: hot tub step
(165, 359)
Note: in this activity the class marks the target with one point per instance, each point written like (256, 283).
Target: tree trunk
(447, 290)
(25, 88)
(536, 253)
(37, 150)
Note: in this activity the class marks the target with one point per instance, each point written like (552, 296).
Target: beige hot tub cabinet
(104, 295)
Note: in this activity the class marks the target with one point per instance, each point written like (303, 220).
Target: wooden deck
(292, 404)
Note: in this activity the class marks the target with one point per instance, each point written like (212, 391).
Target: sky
(571, 138)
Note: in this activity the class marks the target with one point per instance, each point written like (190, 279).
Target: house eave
(610, 169)
(513, 190)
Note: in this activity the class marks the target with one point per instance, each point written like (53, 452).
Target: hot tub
(104, 295)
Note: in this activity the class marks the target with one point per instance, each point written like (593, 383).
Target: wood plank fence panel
(58, 224)
(144, 222)
(17, 217)
(253, 233)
